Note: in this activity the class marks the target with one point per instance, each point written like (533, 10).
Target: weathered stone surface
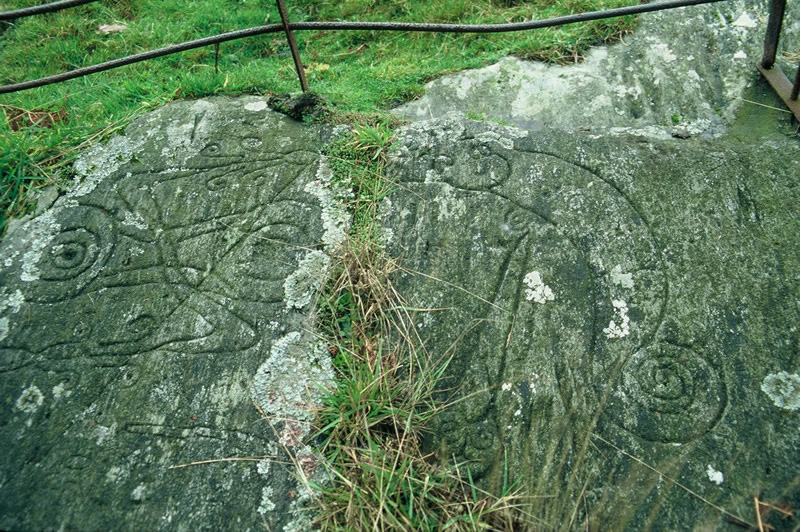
(688, 65)
(144, 313)
(635, 290)
(638, 290)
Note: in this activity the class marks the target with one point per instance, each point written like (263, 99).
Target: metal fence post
(776, 10)
(767, 66)
(298, 65)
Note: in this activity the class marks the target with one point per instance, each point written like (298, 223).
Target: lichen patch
(783, 388)
(300, 286)
(335, 220)
(619, 327)
(30, 400)
(43, 231)
(715, 476)
(536, 289)
(256, 106)
(619, 278)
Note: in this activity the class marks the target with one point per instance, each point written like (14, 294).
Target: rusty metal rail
(42, 8)
(772, 71)
(298, 65)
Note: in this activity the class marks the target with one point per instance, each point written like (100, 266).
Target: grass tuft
(369, 427)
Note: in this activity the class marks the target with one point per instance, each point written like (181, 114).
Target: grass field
(358, 71)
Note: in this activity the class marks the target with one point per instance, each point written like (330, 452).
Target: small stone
(302, 107)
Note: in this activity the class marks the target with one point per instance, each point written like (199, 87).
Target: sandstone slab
(603, 295)
(148, 309)
(686, 67)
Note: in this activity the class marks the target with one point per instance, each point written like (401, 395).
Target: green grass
(361, 72)
(358, 162)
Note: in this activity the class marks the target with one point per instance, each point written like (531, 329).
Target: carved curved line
(701, 432)
(595, 288)
(647, 224)
(103, 254)
(165, 247)
(28, 361)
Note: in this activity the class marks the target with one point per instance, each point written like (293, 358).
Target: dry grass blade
(18, 118)
(372, 423)
(217, 460)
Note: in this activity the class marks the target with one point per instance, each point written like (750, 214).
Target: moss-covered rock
(146, 311)
(608, 293)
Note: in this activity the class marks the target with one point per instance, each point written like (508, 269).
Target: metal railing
(42, 8)
(770, 69)
(767, 66)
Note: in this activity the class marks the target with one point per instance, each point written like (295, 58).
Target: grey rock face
(138, 312)
(607, 293)
(600, 295)
(688, 65)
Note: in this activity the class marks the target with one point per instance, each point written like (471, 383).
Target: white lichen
(537, 290)
(104, 433)
(783, 388)
(714, 476)
(335, 220)
(137, 495)
(30, 400)
(619, 327)
(263, 467)
(256, 106)
(12, 302)
(42, 232)
(501, 137)
(745, 21)
(101, 161)
(302, 509)
(202, 327)
(449, 205)
(662, 51)
(619, 278)
(301, 285)
(116, 474)
(60, 390)
(266, 500)
(288, 384)
(134, 219)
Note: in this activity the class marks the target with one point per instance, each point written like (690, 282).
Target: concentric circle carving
(668, 393)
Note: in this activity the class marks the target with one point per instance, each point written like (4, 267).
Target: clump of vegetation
(360, 72)
(369, 427)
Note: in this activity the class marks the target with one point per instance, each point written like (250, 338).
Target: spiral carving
(74, 255)
(70, 254)
(669, 394)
